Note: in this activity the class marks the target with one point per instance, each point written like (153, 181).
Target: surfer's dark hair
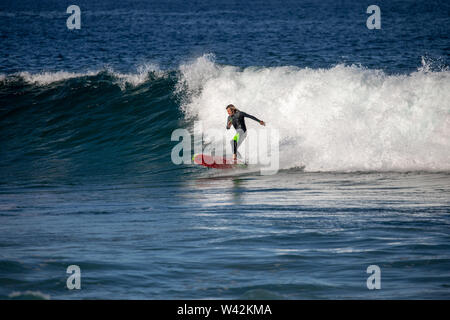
(232, 107)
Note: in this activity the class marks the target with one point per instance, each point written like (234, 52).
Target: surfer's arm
(229, 122)
(254, 118)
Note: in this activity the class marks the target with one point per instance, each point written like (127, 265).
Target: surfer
(236, 118)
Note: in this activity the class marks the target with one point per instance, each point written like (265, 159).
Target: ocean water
(86, 176)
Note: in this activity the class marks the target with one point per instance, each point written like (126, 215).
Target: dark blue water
(86, 176)
(34, 36)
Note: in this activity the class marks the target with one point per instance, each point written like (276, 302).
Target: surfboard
(217, 162)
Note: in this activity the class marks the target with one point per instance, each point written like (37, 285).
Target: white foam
(139, 77)
(29, 294)
(346, 118)
(123, 79)
(46, 78)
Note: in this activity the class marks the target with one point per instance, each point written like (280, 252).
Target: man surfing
(236, 118)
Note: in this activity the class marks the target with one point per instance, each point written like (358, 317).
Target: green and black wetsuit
(238, 121)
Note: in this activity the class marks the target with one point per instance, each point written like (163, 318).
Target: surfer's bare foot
(234, 157)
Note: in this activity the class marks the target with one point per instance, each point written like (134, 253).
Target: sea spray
(346, 118)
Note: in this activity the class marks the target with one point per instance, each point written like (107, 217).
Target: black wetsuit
(238, 121)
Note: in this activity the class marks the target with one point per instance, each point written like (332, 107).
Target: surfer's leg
(233, 143)
(241, 135)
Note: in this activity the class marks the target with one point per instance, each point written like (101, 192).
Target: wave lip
(134, 79)
(46, 78)
(28, 295)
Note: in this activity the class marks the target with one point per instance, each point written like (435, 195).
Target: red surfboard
(216, 162)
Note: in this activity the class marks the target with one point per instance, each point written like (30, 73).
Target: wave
(345, 118)
(122, 79)
(65, 124)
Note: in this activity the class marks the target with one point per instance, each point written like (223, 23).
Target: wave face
(66, 124)
(345, 118)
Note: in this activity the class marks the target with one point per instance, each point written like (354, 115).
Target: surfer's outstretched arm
(254, 118)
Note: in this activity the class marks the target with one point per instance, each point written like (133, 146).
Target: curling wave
(346, 118)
